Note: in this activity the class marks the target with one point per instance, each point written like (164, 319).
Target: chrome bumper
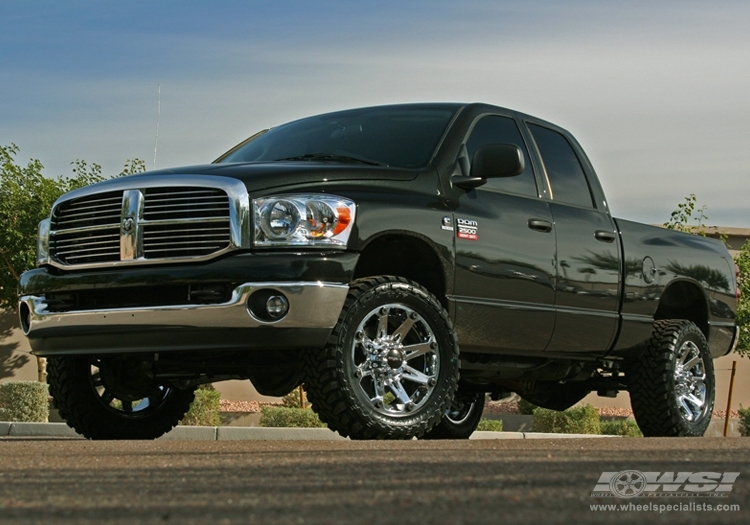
(312, 305)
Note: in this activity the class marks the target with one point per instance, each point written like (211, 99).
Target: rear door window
(564, 172)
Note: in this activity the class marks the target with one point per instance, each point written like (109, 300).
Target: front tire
(672, 386)
(390, 368)
(111, 398)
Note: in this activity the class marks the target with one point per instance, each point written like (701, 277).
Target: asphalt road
(54, 481)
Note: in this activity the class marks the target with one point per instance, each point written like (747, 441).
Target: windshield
(400, 136)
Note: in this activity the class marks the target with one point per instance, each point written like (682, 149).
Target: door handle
(540, 225)
(605, 236)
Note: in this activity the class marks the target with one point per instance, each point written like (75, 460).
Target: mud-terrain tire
(390, 367)
(672, 386)
(89, 404)
(461, 418)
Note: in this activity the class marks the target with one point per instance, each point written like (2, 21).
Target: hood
(261, 176)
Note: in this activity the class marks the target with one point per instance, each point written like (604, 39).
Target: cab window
(503, 130)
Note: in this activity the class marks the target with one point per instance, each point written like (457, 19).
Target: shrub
(744, 421)
(292, 400)
(204, 410)
(24, 401)
(576, 420)
(289, 417)
(622, 427)
(526, 407)
(490, 425)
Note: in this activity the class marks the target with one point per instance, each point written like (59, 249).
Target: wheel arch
(684, 299)
(408, 255)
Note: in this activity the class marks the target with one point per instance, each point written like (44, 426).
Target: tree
(743, 306)
(26, 197)
(683, 215)
(680, 220)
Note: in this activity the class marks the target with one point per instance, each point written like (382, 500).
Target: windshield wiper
(336, 158)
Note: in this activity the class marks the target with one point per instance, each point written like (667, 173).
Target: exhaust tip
(24, 314)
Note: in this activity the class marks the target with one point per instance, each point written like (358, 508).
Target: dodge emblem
(127, 224)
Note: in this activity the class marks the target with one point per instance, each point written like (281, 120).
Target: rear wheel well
(404, 256)
(684, 300)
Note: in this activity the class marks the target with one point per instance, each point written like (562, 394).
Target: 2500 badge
(467, 229)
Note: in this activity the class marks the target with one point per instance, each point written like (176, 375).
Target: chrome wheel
(459, 411)
(690, 381)
(395, 358)
(123, 391)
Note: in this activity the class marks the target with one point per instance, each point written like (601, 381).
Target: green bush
(744, 421)
(526, 407)
(204, 410)
(289, 417)
(576, 420)
(622, 427)
(490, 425)
(24, 401)
(292, 400)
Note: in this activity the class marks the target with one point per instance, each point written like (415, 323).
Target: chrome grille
(87, 230)
(150, 224)
(184, 203)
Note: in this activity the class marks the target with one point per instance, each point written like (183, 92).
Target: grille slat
(180, 222)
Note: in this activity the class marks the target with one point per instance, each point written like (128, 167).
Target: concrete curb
(61, 430)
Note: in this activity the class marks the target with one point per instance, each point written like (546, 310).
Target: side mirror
(497, 160)
(490, 161)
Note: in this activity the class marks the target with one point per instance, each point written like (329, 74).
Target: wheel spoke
(398, 390)
(127, 406)
(401, 331)
(379, 389)
(695, 401)
(418, 349)
(694, 361)
(414, 376)
(107, 397)
(96, 379)
(382, 324)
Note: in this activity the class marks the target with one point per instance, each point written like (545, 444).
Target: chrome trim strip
(240, 218)
(311, 305)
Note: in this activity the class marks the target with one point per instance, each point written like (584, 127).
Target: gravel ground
(492, 407)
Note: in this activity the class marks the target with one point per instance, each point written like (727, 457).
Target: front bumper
(314, 308)
(136, 309)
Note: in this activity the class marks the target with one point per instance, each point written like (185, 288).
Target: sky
(657, 92)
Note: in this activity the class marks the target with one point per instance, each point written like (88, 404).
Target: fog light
(277, 306)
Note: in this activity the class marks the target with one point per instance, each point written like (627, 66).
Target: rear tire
(672, 386)
(110, 398)
(461, 418)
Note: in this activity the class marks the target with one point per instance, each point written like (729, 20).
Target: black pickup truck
(356, 252)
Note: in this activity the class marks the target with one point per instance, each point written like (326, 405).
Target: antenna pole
(158, 114)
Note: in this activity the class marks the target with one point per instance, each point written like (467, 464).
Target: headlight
(42, 243)
(303, 220)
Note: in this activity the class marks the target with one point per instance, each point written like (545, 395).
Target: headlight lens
(42, 243)
(303, 220)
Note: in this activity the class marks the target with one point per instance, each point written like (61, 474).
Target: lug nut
(432, 381)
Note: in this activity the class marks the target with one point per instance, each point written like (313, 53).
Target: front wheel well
(404, 256)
